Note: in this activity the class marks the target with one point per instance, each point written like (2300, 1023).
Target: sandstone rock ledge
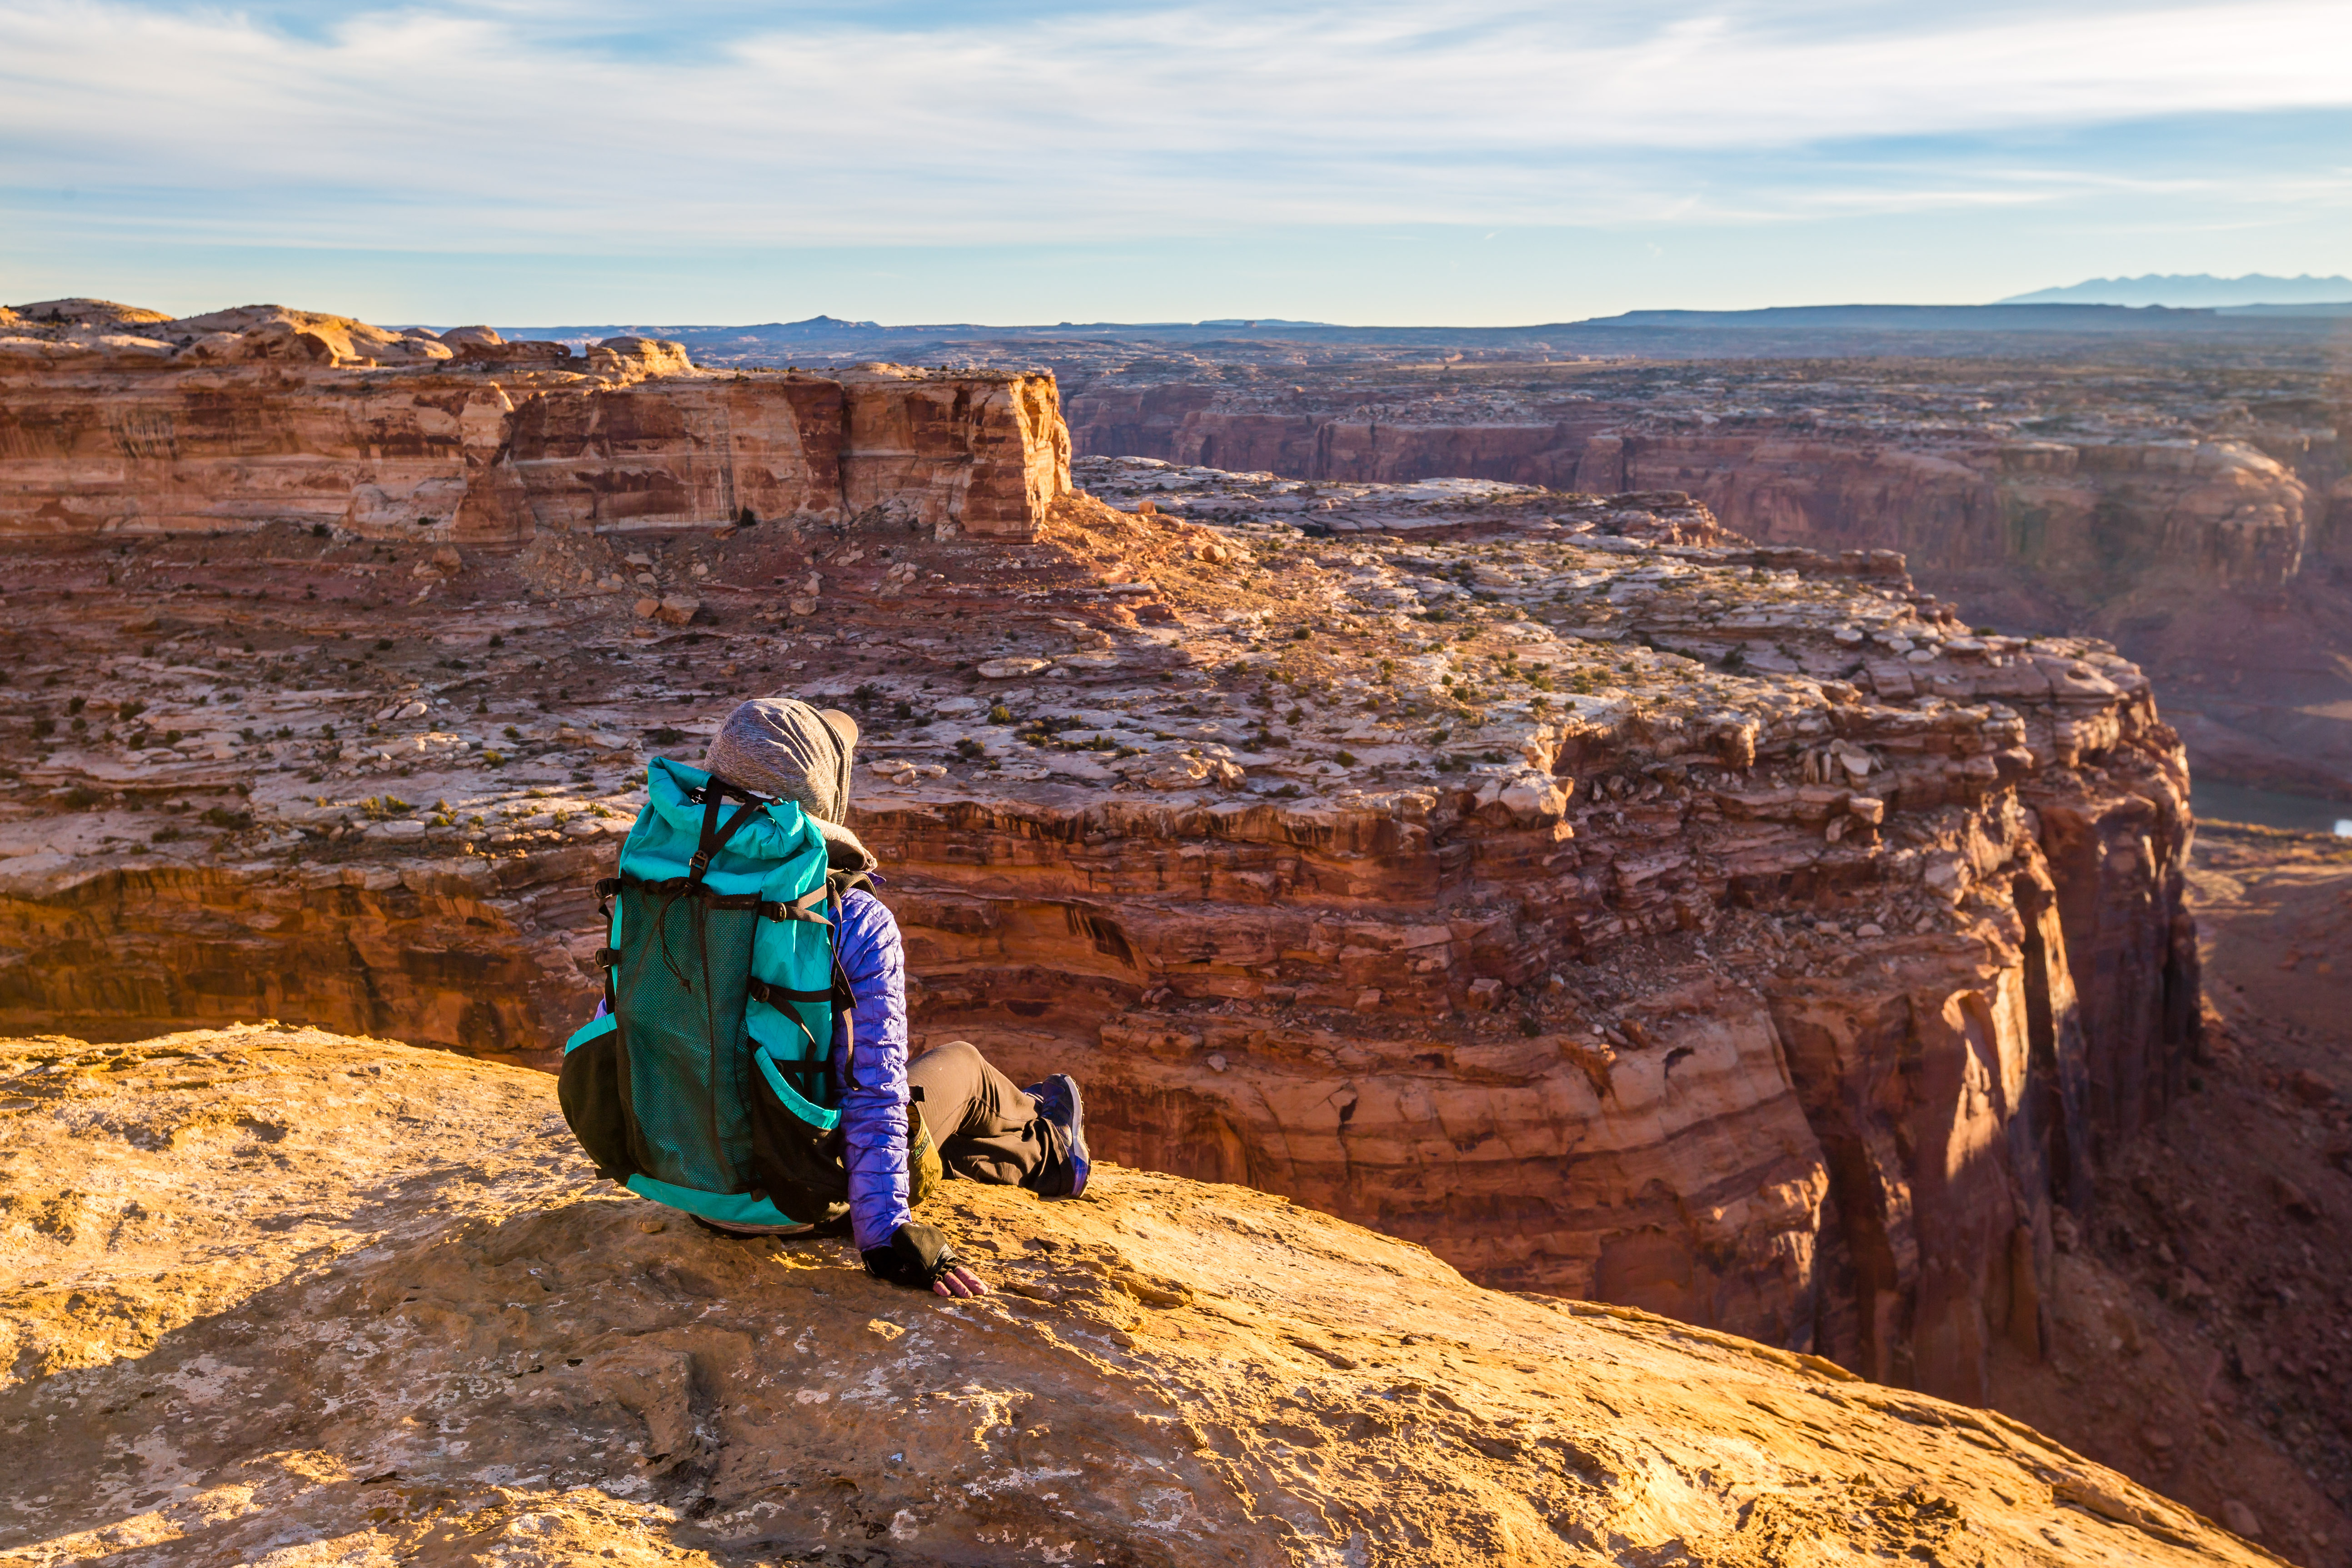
(274, 1295)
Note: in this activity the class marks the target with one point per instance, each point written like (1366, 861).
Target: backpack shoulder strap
(838, 885)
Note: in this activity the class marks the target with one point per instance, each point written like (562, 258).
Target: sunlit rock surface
(277, 1295)
(115, 421)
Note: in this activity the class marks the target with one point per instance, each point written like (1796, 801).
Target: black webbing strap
(608, 957)
(677, 887)
(801, 908)
(844, 1007)
(715, 834)
(809, 1070)
(810, 1075)
(777, 996)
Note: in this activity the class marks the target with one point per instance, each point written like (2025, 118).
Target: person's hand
(918, 1256)
(959, 1281)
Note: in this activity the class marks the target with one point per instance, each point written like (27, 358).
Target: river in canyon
(2214, 801)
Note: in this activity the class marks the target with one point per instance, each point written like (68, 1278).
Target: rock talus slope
(280, 1297)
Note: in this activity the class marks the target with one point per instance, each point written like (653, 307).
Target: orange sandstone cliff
(292, 417)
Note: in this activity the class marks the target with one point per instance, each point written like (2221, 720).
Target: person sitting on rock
(988, 1129)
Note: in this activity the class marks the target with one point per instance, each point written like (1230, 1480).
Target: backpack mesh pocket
(796, 1147)
(589, 1089)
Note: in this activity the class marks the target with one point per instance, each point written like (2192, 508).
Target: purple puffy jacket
(874, 1106)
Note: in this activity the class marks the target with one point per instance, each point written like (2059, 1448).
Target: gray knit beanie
(782, 746)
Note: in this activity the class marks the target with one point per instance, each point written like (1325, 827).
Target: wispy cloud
(631, 129)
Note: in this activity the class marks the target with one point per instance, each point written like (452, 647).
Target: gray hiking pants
(986, 1126)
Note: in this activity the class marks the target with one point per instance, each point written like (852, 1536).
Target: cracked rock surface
(278, 1297)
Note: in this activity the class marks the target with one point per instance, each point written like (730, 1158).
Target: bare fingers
(960, 1282)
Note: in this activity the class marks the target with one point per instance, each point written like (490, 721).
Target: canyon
(2175, 482)
(2192, 506)
(1619, 907)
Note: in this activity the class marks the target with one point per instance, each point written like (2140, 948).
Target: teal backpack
(705, 1084)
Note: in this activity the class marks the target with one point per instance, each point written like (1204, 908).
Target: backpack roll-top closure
(720, 978)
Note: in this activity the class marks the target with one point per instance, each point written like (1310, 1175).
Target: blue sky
(1479, 164)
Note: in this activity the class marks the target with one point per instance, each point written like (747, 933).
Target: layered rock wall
(1180, 422)
(2090, 521)
(2199, 520)
(468, 953)
(491, 443)
(1857, 1151)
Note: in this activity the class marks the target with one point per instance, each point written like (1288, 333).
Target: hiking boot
(1061, 1107)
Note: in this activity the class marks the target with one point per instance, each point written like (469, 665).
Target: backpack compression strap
(841, 994)
(715, 834)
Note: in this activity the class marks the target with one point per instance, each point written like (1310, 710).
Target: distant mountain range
(2194, 290)
(1934, 329)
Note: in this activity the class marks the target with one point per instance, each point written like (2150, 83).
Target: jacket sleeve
(874, 1080)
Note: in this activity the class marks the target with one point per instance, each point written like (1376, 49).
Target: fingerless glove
(916, 1257)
